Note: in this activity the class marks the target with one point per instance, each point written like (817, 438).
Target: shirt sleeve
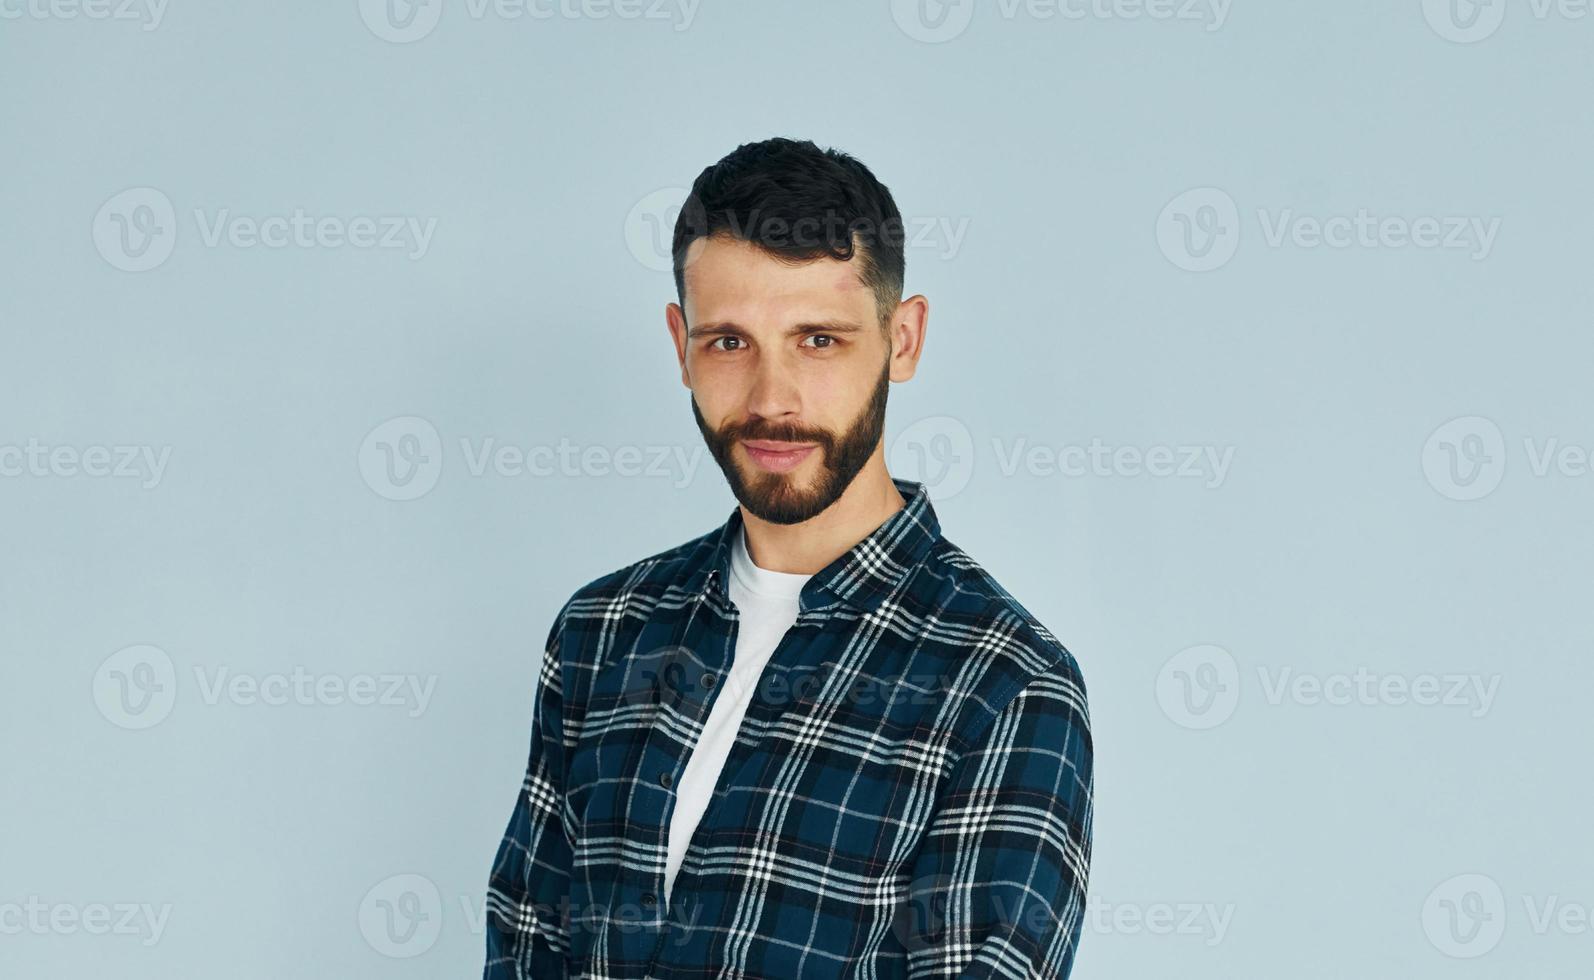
(527, 921)
(998, 885)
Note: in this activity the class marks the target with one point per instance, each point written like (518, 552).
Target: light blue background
(1063, 313)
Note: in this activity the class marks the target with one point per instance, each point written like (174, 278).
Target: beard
(776, 497)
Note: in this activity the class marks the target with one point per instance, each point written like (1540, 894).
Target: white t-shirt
(766, 603)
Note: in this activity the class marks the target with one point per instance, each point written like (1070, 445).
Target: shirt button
(649, 899)
(665, 779)
(709, 680)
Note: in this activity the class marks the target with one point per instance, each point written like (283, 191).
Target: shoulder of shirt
(1028, 658)
(646, 577)
(1029, 654)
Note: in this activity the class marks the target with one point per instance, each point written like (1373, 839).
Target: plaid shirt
(909, 794)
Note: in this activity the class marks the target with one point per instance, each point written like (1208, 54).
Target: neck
(806, 548)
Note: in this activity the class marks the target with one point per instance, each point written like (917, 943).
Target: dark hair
(799, 203)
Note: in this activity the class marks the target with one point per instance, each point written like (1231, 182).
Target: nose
(774, 392)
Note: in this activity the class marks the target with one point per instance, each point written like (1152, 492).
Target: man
(818, 741)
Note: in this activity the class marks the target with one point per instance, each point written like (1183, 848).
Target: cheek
(719, 393)
(838, 390)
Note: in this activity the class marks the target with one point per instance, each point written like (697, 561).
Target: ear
(675, 319)
(906, 334)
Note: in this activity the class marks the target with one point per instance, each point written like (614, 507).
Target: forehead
(727, 278)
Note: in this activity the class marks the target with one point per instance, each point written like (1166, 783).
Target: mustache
(774, 433)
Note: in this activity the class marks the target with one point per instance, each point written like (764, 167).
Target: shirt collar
(862, 576)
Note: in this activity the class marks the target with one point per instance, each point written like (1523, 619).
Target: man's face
(789, 372)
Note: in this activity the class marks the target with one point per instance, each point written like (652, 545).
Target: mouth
(777, 457)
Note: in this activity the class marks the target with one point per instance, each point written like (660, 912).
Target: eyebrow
(796, 330)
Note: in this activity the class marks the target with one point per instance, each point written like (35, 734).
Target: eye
(823, 336)
(718, 339)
